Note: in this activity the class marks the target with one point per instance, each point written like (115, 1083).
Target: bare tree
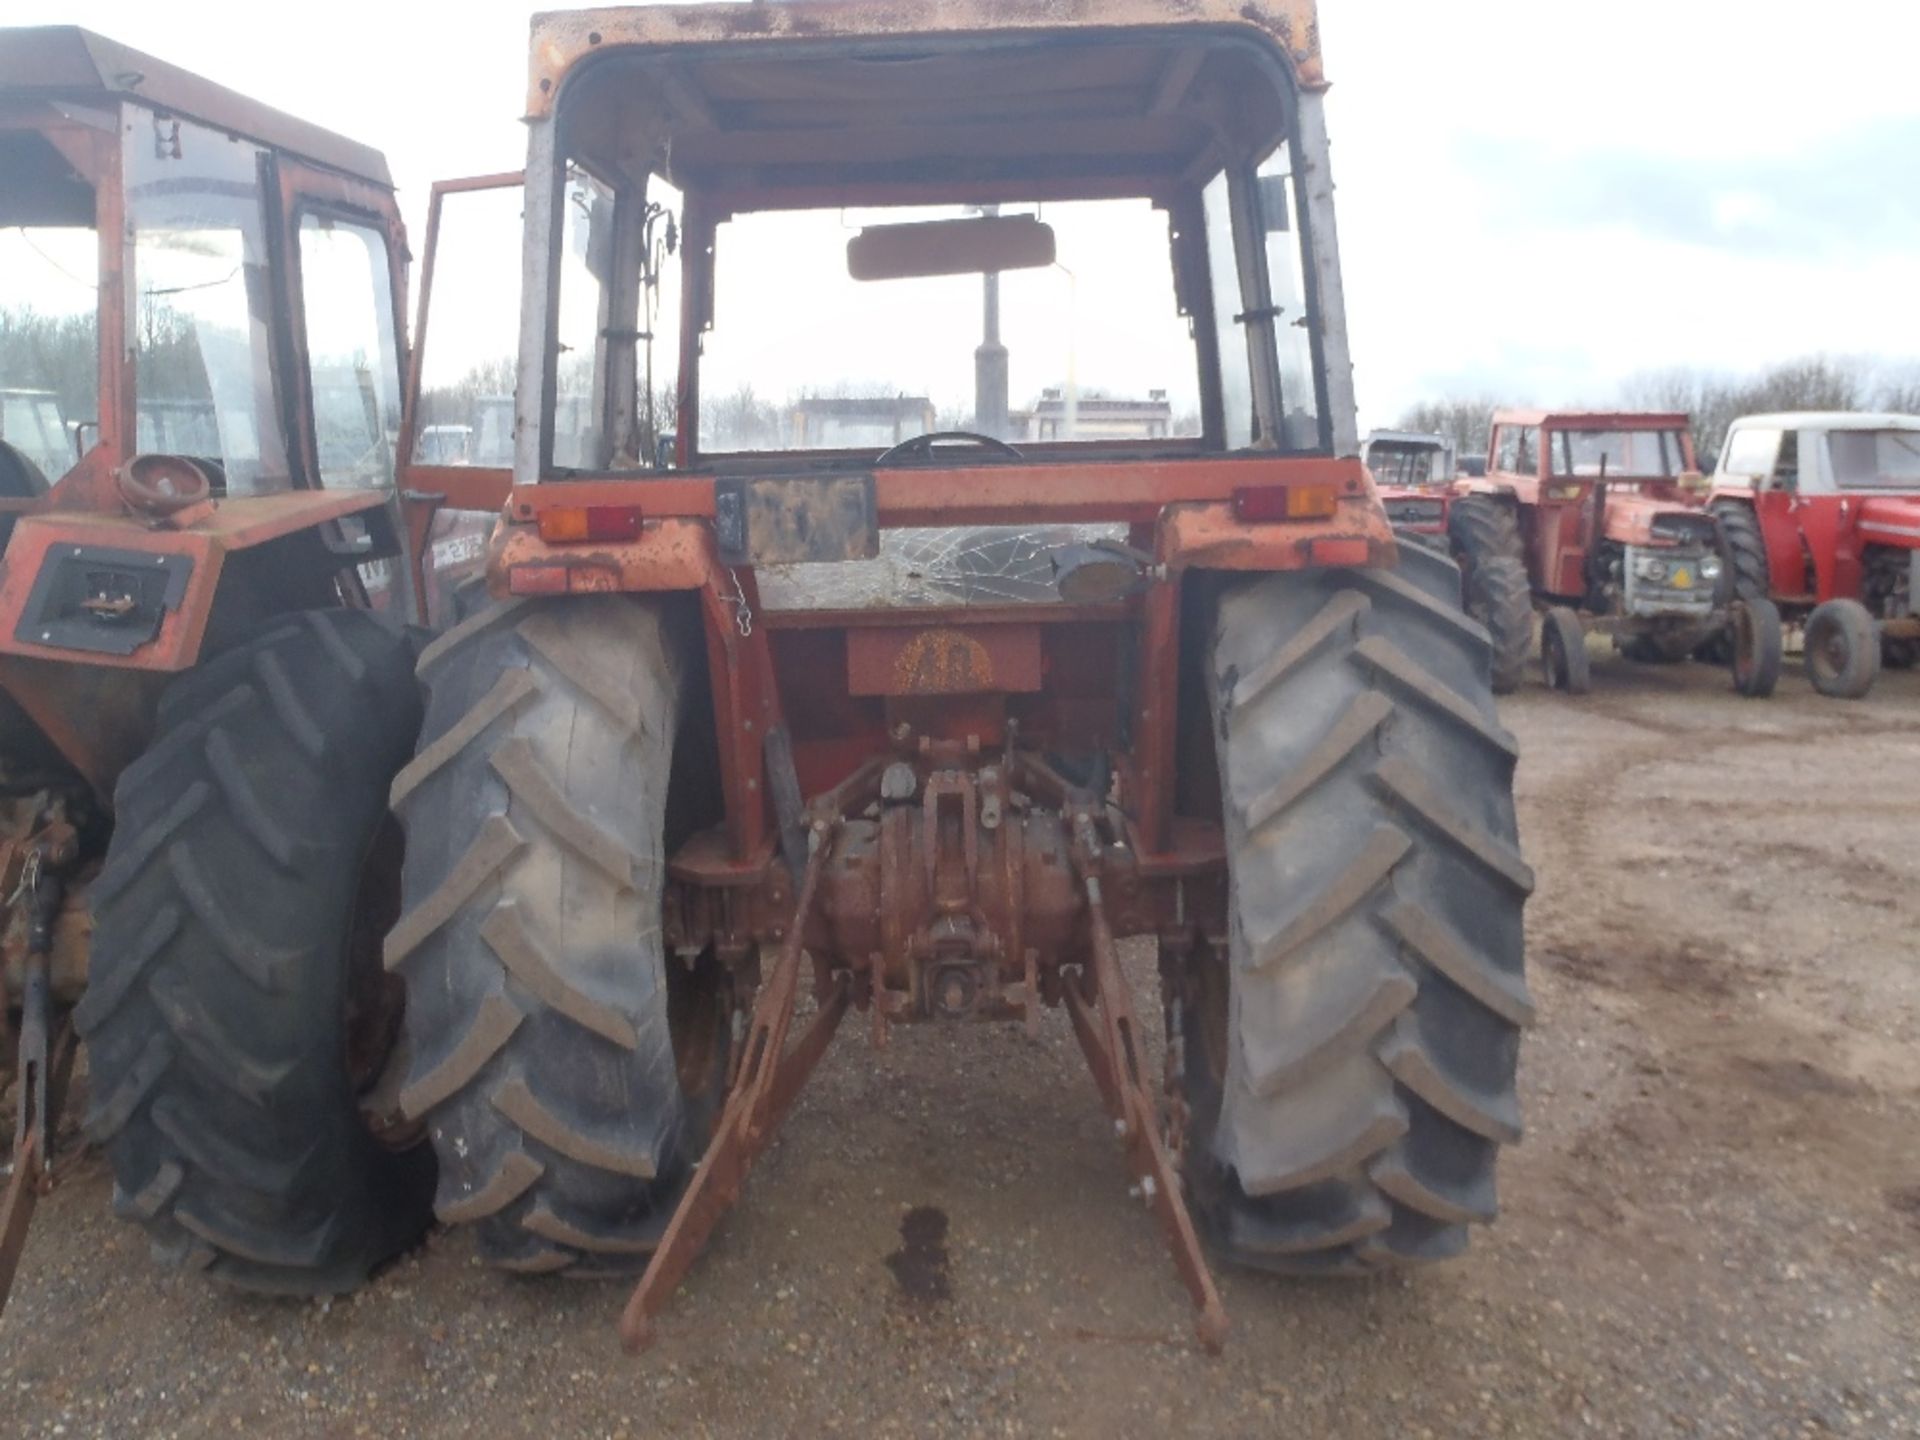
(1899, 389)
(1816, 382)
(1467, 421)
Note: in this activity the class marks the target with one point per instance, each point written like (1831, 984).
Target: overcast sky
(1536, 199)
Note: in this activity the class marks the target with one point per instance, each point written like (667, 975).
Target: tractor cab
(1822, 514)
(1414, 474)
(201, 330)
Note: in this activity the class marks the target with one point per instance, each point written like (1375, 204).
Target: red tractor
(925, 726)
(1593, 519)
(205, 665)
(1821, 514)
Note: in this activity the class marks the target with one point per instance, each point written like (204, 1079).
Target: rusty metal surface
(798, 520)
(947, 883)
(1094, 491)
(563, 39)
(67, 61)
(233, 524)
(952, 889)
(1208, 537)
(32, 1168)
(768, 1081)
(1101, 1007)
(961, 659)
(36, 829)
(669, 555)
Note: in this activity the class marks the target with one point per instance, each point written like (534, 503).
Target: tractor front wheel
(1485, 538)
(1349, 1055)
(1745, 547)
(1564, 663)
(237, 1020)
(1757, 643)
(1842, 650)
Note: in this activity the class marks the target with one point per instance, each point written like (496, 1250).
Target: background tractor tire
(1350, 1064)
(1485, 536)
(233, 934)
(1842, 650)
(1745, 549)
(543, 1013)
(1564, 661)
(1757, 643)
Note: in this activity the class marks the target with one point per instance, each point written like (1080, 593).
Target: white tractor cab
(1821, 514)
(1414, 473)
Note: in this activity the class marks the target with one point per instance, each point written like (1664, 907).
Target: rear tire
(1564, 662)
(1485, 536)
(226, 924)
(567, 1071)
(1842, 650)
(1350, 1064)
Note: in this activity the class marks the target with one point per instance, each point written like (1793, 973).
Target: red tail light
(577, 524)
(1272, 503)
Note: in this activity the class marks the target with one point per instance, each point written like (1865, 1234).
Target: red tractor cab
(1602, 515)
(1414, 474)
(1821, 514)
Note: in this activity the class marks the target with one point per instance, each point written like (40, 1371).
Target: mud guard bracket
(1101, 1007)
(768, 1082)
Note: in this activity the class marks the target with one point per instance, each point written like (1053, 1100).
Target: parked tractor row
(1602, 523)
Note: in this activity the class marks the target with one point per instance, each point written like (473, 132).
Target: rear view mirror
(984, 245)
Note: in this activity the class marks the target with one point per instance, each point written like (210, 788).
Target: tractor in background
(207, 611)
(1821, 514)
(1602, 514)
(1414, 474)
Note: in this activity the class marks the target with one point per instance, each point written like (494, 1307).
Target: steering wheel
(920, 449)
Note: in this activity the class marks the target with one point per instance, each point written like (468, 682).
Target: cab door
(456, 440)
(343, 293)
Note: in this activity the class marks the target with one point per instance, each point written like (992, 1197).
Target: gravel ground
(1713, 1227)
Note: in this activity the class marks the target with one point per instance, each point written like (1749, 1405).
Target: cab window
(1751, 453)
(1517, 450)
(353, 363)
(201, 322)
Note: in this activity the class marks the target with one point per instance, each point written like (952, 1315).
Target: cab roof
(844, 100)
(1594, 419)
(65, 62)
(1408, 437)
(563, 37)
(1830, 420)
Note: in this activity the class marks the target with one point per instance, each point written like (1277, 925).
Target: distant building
(1101, 417)
(862, 423)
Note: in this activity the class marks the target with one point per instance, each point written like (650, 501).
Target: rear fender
(98, 609)
(1210, 537)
